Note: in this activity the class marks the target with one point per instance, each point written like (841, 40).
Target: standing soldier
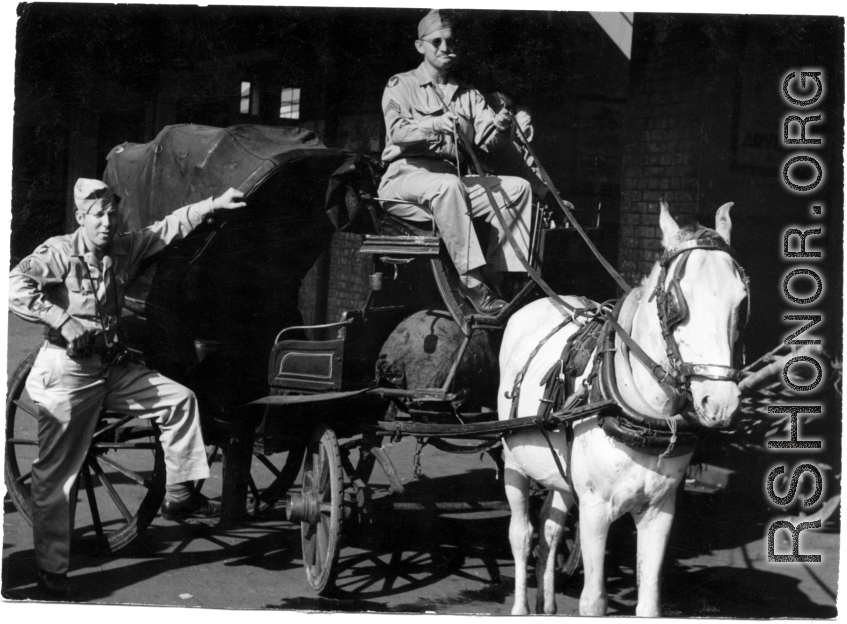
(425, 168)
(74, 286)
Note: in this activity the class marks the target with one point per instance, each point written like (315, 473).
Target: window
(289, 103)
(249, 98)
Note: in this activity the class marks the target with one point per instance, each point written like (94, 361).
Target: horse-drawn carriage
(218, 312)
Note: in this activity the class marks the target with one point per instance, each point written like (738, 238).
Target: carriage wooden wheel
(318, 508)
(123, 476)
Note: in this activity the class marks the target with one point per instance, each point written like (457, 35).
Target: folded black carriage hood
(188, 163)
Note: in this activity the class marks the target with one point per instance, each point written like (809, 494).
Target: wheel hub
(304, 506)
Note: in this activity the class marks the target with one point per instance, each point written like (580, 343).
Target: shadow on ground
(387, 559)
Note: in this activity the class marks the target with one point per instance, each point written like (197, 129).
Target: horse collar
(667, 437)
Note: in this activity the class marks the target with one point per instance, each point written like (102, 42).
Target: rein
(554, 191)
(563, 307)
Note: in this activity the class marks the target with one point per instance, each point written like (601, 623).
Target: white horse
(605, 476)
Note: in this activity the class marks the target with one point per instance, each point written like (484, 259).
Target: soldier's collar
(79, 248)
(424, 78)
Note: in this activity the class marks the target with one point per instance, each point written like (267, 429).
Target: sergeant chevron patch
(392, 105)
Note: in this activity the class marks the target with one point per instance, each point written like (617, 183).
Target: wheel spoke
(26, 407)
(111, 490)
(269, 465)
(323, 479)
(92, 502)
(309, 546)
(20, 480)
(124, 470)
(112, 426)
(286, 477)
(321, 541)
(22, 442)
(316, 466)
(251, 484)
(360, 584)
(210, 458)
(137, 446)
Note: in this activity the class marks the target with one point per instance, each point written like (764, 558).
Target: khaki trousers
(453, 202)
(70, 394)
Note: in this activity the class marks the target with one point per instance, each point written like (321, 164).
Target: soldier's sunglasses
(436, 42)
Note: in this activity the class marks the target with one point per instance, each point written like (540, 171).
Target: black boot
(57, 585)
(195, 506)
(482, 299)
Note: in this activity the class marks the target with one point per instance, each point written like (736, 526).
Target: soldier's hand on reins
(229, 200)
(76, 336)
(444, 123)
(503, 120)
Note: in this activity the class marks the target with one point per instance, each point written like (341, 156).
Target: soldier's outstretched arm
(144, 243)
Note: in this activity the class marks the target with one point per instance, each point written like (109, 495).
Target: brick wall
(307, 296)
(663, 137)
(704, 127)
(348, 275)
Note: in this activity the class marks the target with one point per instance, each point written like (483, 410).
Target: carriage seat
(401, 236)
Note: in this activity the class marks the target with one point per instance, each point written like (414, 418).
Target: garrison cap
(433, 21)
(90, 193)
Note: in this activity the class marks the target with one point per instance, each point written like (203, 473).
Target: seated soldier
(421, 108)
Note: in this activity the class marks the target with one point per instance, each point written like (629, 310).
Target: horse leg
(553, 516)
(520, 533)
(654, 527)
(594, 522)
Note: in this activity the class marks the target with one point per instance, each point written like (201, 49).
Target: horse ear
(670, 230)
(723, 224)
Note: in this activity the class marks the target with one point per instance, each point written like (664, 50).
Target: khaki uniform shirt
(410, 105)
(52, 284)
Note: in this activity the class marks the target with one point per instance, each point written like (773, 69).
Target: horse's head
(704, 304)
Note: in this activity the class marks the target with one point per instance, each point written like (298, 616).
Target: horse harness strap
(559, 380)
(667, 437)
(670, 388)
(673, 308)
(516, 387)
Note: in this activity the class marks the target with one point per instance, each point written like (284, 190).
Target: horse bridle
(673, 309)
